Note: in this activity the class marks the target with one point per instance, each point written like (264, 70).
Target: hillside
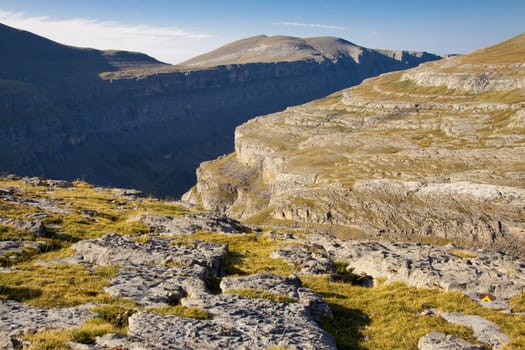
(84, 267)
(434, 153)
(125, 119)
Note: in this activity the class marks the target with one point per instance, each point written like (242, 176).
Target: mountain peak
(280, 48)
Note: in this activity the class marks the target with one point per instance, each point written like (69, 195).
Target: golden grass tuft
(249, 253)
(464, 254)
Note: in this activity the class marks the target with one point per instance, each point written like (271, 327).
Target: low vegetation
(388, 316)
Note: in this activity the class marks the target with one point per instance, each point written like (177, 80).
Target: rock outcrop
(435, 151)
(424, 266)
(124, 119)
(441, 341)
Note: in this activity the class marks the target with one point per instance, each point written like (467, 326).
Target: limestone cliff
(433, 151)
(120, 118)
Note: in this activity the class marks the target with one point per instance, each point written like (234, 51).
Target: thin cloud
(308, 25)
(168, 44)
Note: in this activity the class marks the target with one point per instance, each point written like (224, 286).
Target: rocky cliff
(120, 118)
(432, 152)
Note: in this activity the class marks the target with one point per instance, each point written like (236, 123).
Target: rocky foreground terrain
(100, 268)
(125, 119)
(434, 153)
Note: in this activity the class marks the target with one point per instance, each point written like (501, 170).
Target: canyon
(125, 119)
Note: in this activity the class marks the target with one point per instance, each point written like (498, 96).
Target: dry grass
(464, 254)
(56, 285)
(389, 316)
(248, 253)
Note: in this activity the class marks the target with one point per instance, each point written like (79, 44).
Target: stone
(313, 260)
(114, 249)
(16, 318)
(159, 285)
(288, 286)
(129, 194)
(191, 223)
(484, 330)
(237, 323)
(36, 227)
(427, 266)
(441, 341)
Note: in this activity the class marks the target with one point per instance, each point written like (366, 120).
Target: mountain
(126, 119)
(430, 153)
(262, 48)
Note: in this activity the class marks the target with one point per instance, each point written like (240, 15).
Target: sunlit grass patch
(249, 253)
(390, 316)
(517, 303)
(56, 285)
(464, 254)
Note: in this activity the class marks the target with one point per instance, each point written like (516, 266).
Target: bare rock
(312, 259)
(238, 323)
(441, 341)
(484, 330)
(114, 249)
(159, 285)
(288, 286)
(429, 266)
(191, 223)
(16, 318)
(36, 227)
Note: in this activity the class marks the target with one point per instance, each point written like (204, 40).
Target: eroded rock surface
(289, 286)
(159, 285)
(114, 249)
(16, 318)
(237, 323)
(436, 151)
(441, 341)
(191, 223)
(484, 330)
(419, 265)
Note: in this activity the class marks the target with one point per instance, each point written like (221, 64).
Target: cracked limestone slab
(115, 249)
(484, 330)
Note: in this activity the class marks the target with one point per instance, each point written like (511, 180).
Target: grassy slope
(393, 320)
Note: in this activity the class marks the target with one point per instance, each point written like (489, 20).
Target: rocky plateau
(430, 153)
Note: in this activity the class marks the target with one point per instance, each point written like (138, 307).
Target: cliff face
(436, 151)
(125, 119)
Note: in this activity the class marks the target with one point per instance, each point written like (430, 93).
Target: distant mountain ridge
(262, 48)
(125, 119)
(31, 58)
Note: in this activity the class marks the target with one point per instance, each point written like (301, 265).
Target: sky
(173, 31)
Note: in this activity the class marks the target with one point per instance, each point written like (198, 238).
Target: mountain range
(125, 119)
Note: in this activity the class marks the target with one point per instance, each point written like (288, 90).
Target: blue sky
(173, 30)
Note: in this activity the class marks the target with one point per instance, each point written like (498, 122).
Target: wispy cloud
(308, 25)
(169, 44)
